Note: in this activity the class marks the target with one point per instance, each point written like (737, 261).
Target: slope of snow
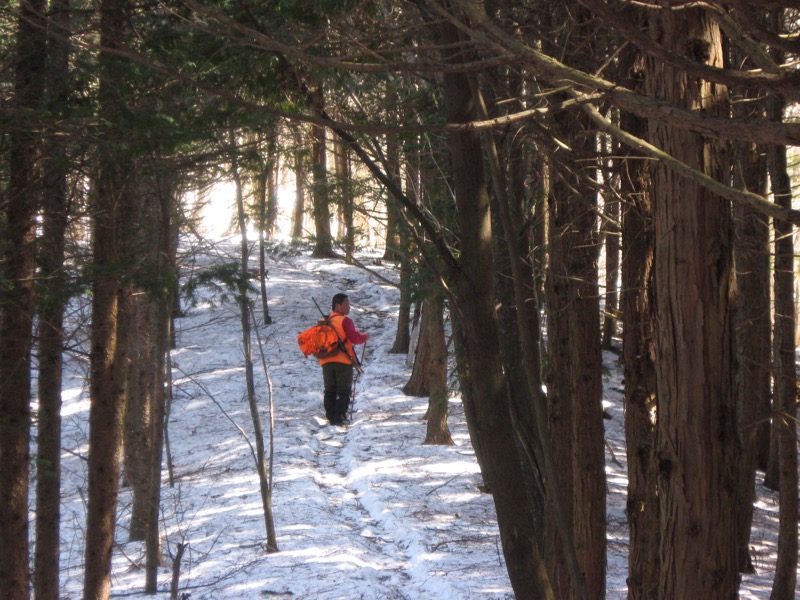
(363, 512)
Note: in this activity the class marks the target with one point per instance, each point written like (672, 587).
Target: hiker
(337, 370)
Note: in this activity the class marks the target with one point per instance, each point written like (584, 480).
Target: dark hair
(338, 299)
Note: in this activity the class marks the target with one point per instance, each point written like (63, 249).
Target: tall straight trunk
(346, 198)
(611, 237)
(574, 367)
(638, 350)
(403, 252)
(393, 152)
(696, 435)
(138, 444)
(753, 331)
(266, 178)
(113, 212)
(574, 385)
(245, 312)
(429, 376)
(429, 373)
(299, 186)
(785, 419)
(323, 247)
(164, 259)
(517, 300)
(16, 300)
(51, 302)
(480, 334)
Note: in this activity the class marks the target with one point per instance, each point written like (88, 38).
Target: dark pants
(338, 380)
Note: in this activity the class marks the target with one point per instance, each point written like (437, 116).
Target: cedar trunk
(696, 436)
(16, 303)
(785, 420)
(51, 301)
(474, 295)
(638, 351)
(574, 383)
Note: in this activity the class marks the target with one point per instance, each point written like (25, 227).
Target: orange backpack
(320, 340)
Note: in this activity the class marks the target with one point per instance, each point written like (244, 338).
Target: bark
(573, 383)
(429, 374)
(427, 363)
(611, 235)
(696, 437)
(346, 197)
(323, 247)
(252, 401)
(164, 260)
(51, 301)
(393, 249)
(785, 420)
(480, 334)
(753, 333)
(402, 338)
(16, 300)
(113, 212)
(638, 350)
(138, 444)
(437, 431)
(574, 386)
(266, 179)
(299, 186)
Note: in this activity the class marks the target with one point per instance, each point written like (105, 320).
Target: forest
(551, 177)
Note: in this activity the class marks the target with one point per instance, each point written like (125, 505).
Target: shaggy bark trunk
(697, 440)
(638, 350)
(16, 302)
(320, 194)
(299, 185)
(478, 322)
(51, 302)
(785, 420)
(753, 333)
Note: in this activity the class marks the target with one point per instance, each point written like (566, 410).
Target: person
(337, 370)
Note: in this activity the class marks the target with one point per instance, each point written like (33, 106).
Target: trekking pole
(355, 382)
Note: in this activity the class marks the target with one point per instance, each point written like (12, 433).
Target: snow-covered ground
(364, 512)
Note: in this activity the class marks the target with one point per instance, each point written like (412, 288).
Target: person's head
(341, 303)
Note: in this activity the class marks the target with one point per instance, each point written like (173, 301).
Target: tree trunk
(323, 247)
(429, 375)
(402, 338)
(346, 199)
(16, 301)
(638, 349)
(51, 301)
(697, 442)
(164, 258)
(752, 310)
(574, 386)
(266, 177)
(112, 214)
(785, 420)
(437, 432)
(424, 370)
(478, 322)
(138, 415)
(245, 311)
(299, 186)
(611, 235)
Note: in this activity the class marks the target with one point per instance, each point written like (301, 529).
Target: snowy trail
(355, 469)
(367, 512)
